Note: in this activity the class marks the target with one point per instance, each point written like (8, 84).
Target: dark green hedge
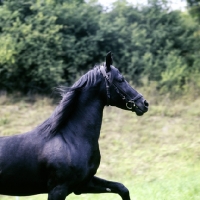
(46, 44)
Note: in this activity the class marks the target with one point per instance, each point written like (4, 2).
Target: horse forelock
(65, 108)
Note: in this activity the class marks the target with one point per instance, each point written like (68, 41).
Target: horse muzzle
(139, 108)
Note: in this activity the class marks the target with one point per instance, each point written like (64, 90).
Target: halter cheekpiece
(130, 103)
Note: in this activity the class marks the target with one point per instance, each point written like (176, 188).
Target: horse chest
(86, 163)
(85, 173)
(71, 162)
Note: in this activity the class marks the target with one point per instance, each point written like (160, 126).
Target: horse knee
(124, 192)
(56, 196)
(58, 193)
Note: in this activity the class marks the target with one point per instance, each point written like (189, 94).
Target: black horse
(62, 155)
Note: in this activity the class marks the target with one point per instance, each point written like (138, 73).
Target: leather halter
(130, 103)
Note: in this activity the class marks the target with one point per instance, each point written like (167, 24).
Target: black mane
(70, 96)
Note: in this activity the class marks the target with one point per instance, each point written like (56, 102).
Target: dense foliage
(47, 43)
(194, 8)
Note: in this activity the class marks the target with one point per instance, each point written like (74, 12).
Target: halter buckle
(132, 106)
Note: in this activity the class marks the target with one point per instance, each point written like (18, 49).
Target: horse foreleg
(59, 192)
(98, 185)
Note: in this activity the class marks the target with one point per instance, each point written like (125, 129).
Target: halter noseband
(130, 103)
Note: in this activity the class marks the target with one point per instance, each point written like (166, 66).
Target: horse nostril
(146, 103)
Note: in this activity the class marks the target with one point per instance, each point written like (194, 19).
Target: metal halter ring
(133, 105)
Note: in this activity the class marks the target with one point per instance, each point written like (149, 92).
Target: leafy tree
(46, 44)
(28, 36)
(194, 8)
(147, 39)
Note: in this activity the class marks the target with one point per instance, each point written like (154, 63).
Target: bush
(43, 45)
(54, 42)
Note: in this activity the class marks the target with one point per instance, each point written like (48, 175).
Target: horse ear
(109, 60)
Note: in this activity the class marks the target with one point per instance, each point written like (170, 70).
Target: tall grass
(157, 156)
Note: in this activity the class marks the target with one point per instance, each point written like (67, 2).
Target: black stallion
(62, 155)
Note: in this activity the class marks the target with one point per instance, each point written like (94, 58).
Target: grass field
(157, 156)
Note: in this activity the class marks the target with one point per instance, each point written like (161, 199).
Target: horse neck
(85, 121)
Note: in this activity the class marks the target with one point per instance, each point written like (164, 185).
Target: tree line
(44, 44)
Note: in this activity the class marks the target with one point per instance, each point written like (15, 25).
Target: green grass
(157, 156)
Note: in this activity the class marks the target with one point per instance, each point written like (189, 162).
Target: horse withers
(61, 156)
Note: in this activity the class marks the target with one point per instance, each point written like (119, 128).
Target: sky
(175, 4)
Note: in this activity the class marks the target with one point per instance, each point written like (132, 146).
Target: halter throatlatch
(130, 103)
(107, 81)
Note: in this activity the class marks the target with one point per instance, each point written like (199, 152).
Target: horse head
(119, 92)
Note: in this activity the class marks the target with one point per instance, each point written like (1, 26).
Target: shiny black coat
(62, 155)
